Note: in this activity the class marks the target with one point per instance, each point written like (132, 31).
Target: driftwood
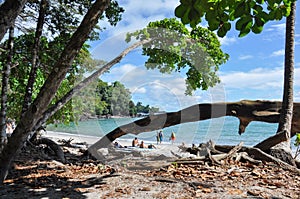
(36, 140)
(235, 153)
(246, 111)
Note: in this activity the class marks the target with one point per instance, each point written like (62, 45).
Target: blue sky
(254, 70)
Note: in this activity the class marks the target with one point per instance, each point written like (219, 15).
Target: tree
(40, 110)
(174, 48)
(4, 88)
(250, 16)
(35, 112)
(284, 127)
(120, 99)
(9, 11)
(132, 109)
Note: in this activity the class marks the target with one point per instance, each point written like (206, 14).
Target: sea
(222, 131)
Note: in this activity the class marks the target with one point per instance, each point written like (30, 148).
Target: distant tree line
(104, 99)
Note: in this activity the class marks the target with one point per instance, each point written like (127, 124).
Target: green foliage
(62, 19)
(174, 48)
(297, 144)
(100, 98)
(64, 16)
(250, 15)
(48, 53)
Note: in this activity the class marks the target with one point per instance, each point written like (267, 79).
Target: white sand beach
(165, 148)
(131, 158)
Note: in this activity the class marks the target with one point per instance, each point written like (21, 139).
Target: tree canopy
(174, 48)
(249, 15)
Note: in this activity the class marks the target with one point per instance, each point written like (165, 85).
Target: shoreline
(165, 147)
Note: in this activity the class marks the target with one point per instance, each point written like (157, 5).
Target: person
(9, 127)
(161, 135)
(151, 146)
(135, 142)
(157, 137)
(173, 137)
(117, 145)
(142, 145)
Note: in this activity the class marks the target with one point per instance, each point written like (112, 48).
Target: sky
(253, 71)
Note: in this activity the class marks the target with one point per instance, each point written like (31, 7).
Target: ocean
(222, 130)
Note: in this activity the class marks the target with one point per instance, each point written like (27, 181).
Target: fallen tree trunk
(246, 111)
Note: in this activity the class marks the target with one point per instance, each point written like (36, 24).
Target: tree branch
(59, 104)
(246, 110)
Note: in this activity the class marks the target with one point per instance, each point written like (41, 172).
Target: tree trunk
(247, 111)
(285, 123)
(36, 110)
(34, 63)
(60, 103)
(5, 79)
(9, 11)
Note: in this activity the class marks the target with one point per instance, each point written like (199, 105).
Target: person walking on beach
(173, 137)
(161, 135)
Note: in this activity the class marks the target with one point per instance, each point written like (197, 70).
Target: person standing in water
(161, 135)
(173, 137)
(157, 137)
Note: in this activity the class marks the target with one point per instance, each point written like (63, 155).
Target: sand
(140, 173)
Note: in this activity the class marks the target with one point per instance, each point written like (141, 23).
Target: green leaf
(180, 11)
(241, 23)
(185, 19)
(194, 15)
(278, 14)
(260, 1)
(227, 26)
(240, 10)
(222, 31)
(257, 29)
(244, 32)
(213, 25)
(257, 9)
(259, 21)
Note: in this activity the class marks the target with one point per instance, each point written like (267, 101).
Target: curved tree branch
(246, 110)
(59, 104)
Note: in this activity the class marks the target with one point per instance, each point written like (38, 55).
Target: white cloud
(139, 13)
(275, 31)
(277, 28)
(260, 83)
(258, 79)
(227, 40)
(140, 90)
(278, 53)
(297, 96)
(244, 57)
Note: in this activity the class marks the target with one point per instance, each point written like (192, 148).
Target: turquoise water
(221, 130)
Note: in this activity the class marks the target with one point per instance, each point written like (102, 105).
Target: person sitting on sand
(135, 142)
(117, 145)
(151, 146)
(142, 145)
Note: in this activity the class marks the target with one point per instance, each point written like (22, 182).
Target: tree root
(239, 153)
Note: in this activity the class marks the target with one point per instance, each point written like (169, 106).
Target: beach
(162, 154)
(132, 172)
